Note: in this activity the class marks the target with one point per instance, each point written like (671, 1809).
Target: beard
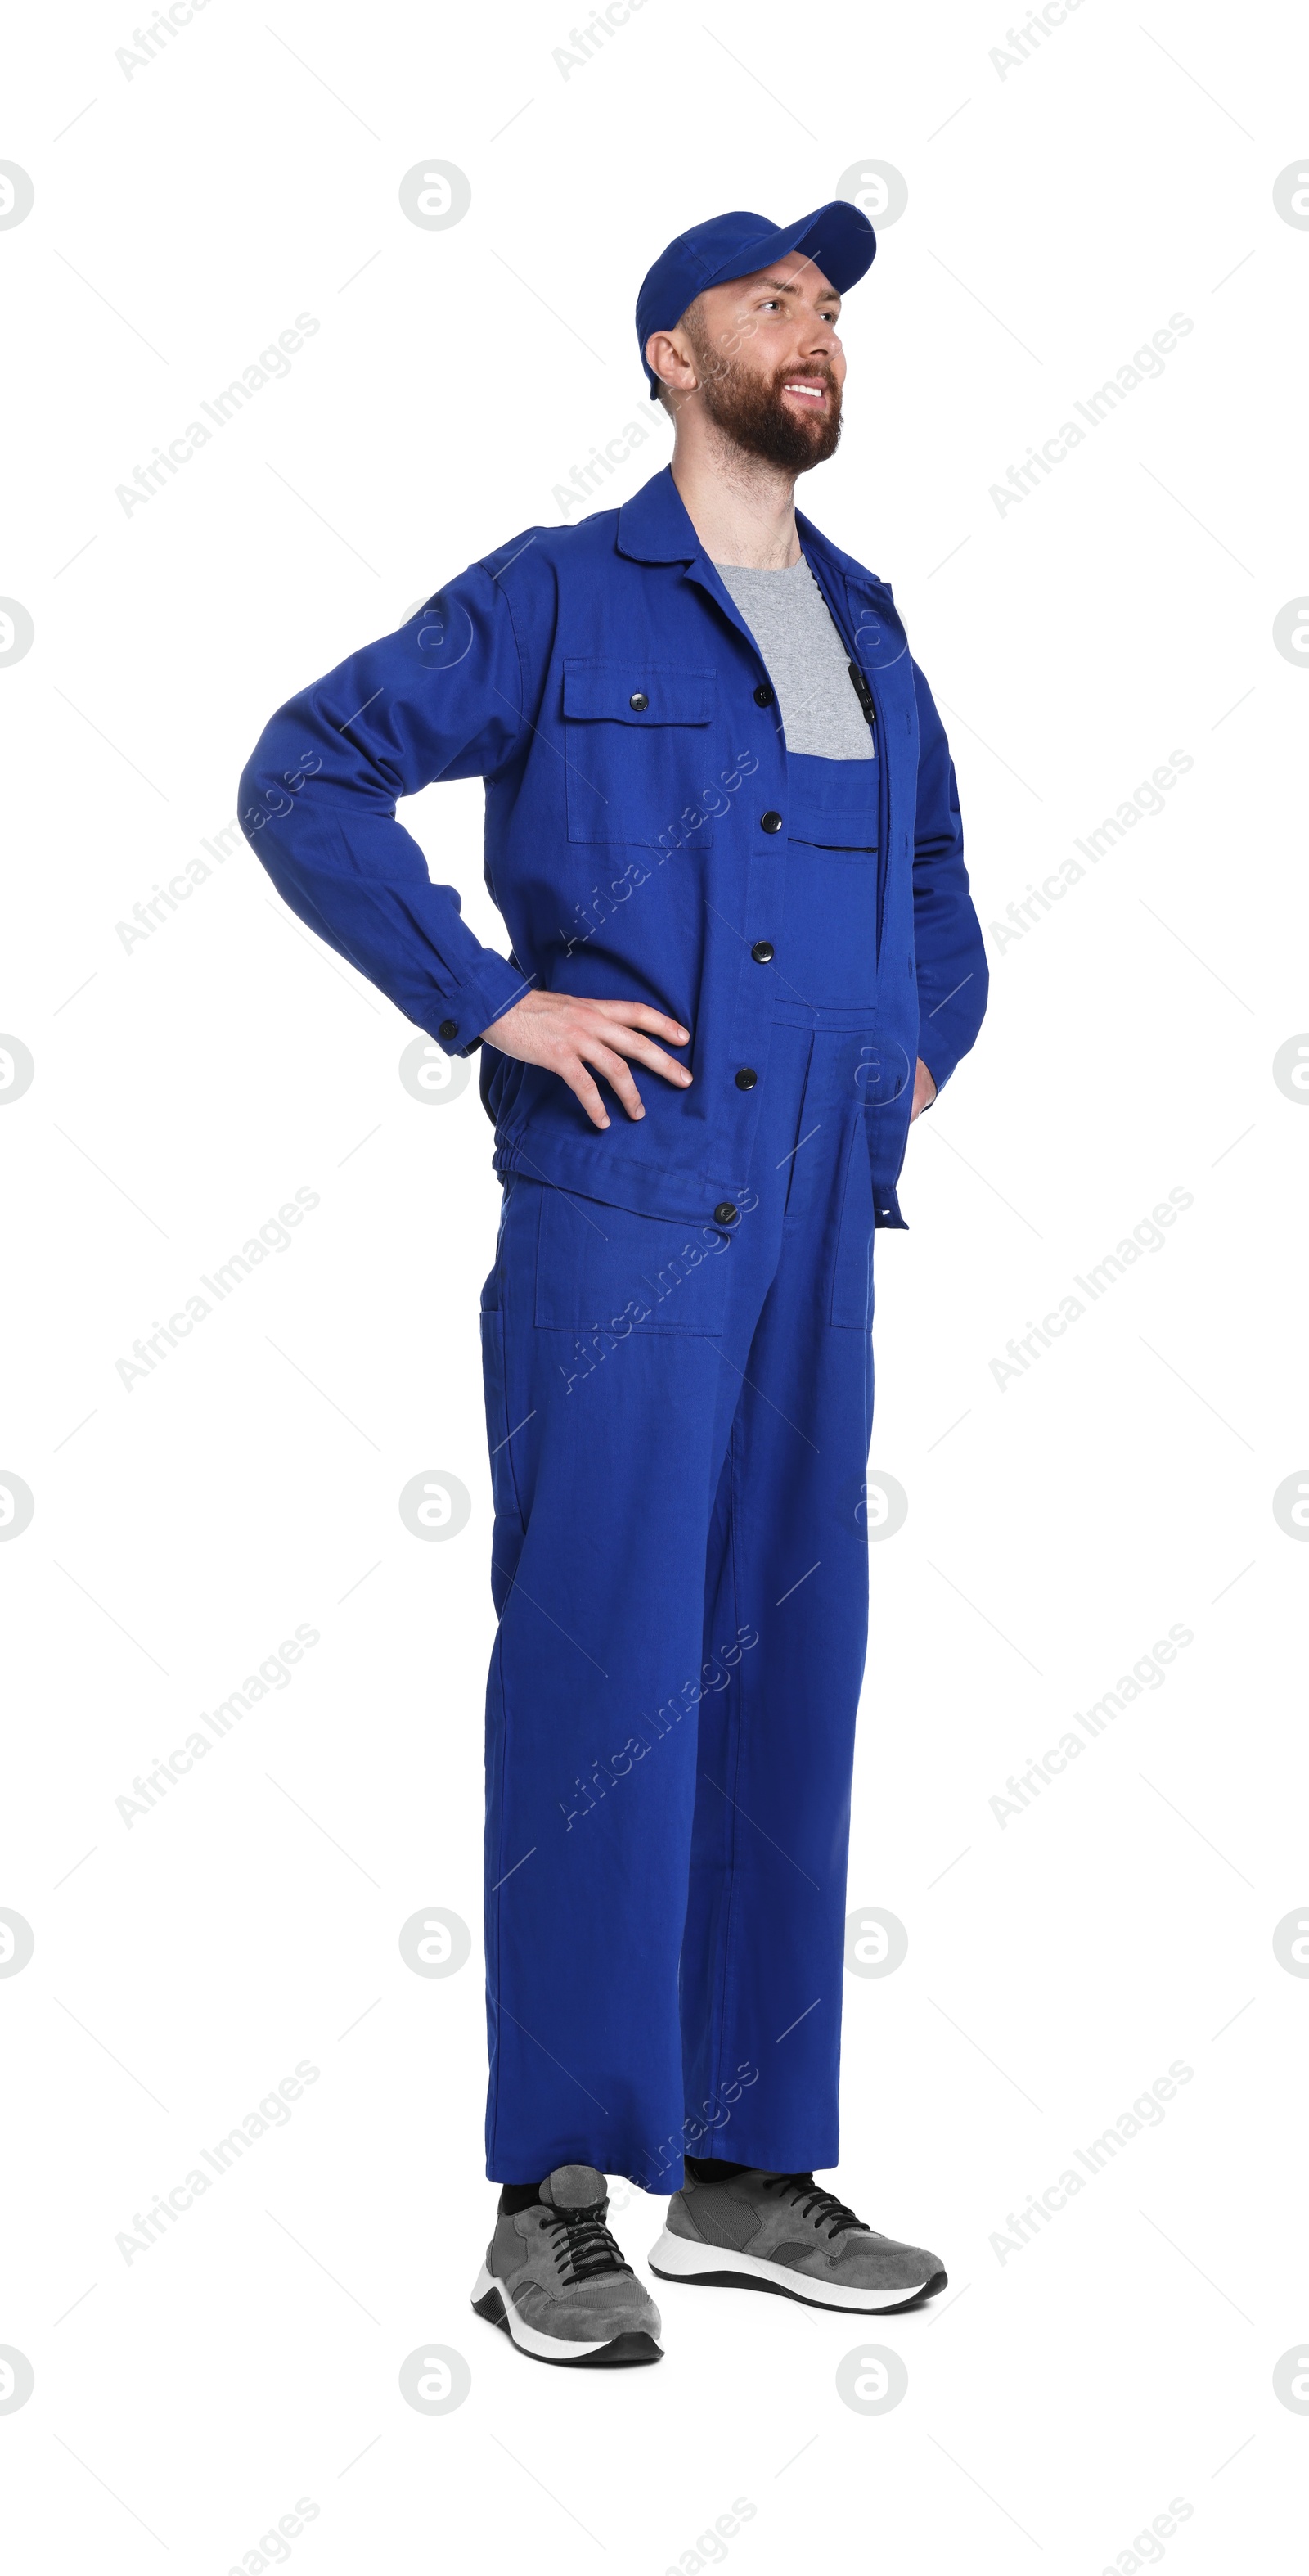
(749, 409)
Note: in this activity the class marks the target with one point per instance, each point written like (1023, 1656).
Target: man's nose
(820, 339)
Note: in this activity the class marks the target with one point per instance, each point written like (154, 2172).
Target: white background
(1058, 1963)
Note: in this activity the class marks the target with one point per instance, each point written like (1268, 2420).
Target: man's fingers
(640, 1015)
(579, 1081)
(566, 1033)
(616, 1074)
(646, 1052)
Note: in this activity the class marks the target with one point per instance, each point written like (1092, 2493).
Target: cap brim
(837, 237)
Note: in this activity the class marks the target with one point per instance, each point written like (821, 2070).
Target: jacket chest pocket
(636, 739)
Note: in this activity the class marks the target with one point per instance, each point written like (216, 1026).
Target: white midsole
(550, 2347)
(689, 2262)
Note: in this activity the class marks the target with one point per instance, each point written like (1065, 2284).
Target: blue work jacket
(601, 681)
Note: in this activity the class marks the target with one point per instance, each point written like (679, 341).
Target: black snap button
(725, 1213)
(448, 1029)
(770, 822)
(639, 700)
(746, 1078)
(763, 952)
(763, 696)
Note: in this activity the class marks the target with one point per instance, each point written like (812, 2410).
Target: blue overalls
(679, 1419)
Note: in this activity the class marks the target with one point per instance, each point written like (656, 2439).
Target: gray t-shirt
(805, 658)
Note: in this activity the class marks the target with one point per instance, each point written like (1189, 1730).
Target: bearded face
(788, 416)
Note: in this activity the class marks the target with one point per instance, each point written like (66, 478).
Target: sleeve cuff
(472, 1008)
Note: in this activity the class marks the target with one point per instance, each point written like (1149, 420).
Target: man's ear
(670, 359)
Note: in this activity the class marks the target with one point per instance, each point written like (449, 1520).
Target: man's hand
(566, 1034)
(924, 1092)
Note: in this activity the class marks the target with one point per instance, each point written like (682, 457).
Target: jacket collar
(655, 527)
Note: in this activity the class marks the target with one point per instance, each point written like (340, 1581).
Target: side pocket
(504, 1491)
(491, 1284)
(515, 1258)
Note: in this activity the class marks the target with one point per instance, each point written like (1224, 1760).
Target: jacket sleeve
(442, 698)
(951, 956)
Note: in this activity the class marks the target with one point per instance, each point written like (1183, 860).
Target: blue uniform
(676, 1329)
(602, 683)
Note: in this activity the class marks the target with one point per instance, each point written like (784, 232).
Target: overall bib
(679, 1420)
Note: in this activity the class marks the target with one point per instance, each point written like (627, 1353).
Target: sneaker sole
(621, 2352)
(674, 2258)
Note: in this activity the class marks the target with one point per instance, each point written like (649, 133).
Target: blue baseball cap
(838, 237)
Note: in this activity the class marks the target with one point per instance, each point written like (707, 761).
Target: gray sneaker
(760, 2231)
(555, 2281)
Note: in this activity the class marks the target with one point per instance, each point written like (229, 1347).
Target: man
(722, 828)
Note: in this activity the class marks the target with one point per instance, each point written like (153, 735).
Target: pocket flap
(612, 690)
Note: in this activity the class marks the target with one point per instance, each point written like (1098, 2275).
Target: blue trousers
(679, 1420)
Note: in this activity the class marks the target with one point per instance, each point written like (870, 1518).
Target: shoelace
(584, 2247)
(823, 2207)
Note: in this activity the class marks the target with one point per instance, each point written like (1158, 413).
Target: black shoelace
(584, 2248)
(823, 2207)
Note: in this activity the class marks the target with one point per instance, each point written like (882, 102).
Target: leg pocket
(852, 1257)
(602, 1269)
